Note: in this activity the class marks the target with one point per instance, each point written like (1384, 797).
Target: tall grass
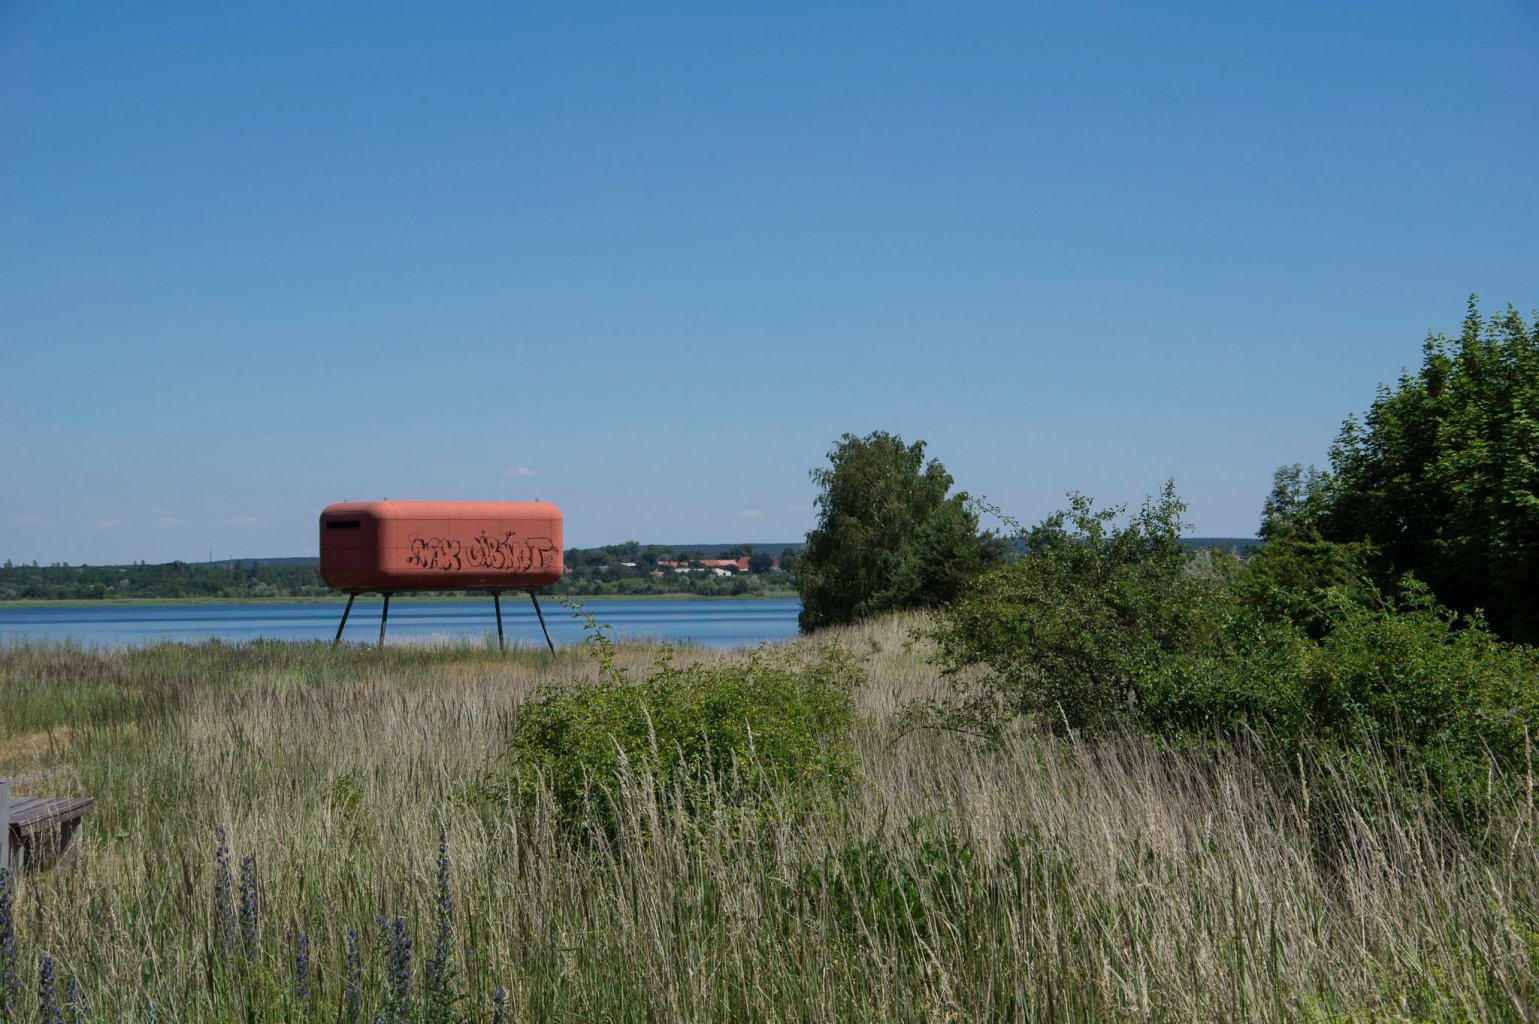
(1046, 880)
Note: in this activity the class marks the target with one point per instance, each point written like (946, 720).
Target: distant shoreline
(373, 599)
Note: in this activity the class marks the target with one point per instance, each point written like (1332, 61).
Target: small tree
(889, 534)
(1297, 499)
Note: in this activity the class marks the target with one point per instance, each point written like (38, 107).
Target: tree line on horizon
(599, 570)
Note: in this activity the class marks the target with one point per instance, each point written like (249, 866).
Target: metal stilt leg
(384, 613)
(343, 624)
(497, 604)
(543, 628)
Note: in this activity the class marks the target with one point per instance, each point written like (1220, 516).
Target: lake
(710, 623)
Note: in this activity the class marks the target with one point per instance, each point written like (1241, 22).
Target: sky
(651, 261)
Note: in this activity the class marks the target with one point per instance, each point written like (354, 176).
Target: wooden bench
(39, 831)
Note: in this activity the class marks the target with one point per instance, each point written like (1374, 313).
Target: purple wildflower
(74, 1009)
(499, 1005)
(10, 979)
(397, 969)
(47, 997)
(302, 973)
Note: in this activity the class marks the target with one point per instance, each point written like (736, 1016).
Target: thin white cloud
(110, 524)
(242, 520)
(750, 513)
(159, 510)
(518, 471)
(170, 521)
(28, 520)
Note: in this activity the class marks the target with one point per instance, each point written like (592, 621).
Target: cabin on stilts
(391, 547)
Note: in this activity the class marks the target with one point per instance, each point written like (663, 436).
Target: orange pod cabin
(440, 545)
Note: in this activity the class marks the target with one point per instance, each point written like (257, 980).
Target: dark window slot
(342, 524)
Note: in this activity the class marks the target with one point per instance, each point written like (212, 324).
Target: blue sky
(650, 261)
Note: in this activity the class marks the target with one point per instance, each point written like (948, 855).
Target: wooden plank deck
(31, 815)
(41, 830)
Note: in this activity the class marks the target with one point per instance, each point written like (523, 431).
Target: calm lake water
(722, 623)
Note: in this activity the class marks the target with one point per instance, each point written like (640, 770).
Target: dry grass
(1051, 880)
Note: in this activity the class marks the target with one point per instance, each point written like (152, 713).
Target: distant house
(719, 566)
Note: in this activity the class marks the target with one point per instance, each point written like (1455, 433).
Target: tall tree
(889, 535)
(1441, 476)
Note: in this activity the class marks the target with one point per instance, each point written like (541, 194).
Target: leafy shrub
(1298, 575)
(779, 719)
(1068, 631)
(1250, 671)
(1103, 627)
(1435, 689)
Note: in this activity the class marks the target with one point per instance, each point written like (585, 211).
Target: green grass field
(1050, 879)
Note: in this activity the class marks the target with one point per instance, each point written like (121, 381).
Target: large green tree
(1441, 477)
(889, 535)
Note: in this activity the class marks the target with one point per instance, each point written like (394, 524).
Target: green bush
(1445, 698)
(1298, 575)
(1069, 631)
(1097, 628)
(773, 720)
